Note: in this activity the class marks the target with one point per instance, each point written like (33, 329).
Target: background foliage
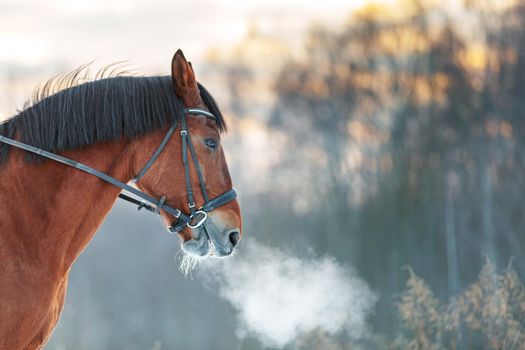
(404, 147)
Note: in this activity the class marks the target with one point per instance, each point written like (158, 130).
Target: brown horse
(49, 212)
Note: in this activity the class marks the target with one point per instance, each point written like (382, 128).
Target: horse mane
(71, 111)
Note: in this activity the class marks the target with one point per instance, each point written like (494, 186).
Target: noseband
(196, 218)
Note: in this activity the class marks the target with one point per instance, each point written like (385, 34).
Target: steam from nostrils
(279, 297)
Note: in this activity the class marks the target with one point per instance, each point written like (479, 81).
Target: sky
(39, 39)
(146, 32)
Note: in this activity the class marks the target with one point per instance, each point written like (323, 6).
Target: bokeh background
(389, 135)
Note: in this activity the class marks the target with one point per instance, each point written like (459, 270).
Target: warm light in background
(41, 39)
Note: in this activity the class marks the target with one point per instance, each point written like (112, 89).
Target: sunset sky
(40, 39)
(35, 32)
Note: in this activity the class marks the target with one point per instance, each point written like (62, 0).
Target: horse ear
(191, 67)
(184, 81)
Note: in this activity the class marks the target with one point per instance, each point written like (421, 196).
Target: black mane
(100, 110)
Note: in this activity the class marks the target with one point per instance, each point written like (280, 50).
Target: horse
(64, 160)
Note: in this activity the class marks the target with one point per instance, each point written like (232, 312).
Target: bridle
(197, 216)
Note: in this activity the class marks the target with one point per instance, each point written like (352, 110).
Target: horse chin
(198, 246)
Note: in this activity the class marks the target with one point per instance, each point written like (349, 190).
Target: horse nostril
(234, 237)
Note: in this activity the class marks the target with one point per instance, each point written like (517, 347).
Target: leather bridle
(195, 218)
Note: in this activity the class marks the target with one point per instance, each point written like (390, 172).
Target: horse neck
(51, 210)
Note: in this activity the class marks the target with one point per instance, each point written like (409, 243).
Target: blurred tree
(414, 133)
(399, 141)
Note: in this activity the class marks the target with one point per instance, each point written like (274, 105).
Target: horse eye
(211, 143)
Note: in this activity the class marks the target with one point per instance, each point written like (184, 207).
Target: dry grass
(489, 314)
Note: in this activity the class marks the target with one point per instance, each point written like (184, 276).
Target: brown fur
(50, 212)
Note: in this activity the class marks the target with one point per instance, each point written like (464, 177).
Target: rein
(195, 219)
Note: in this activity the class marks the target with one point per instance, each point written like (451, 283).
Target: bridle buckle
(197, 219)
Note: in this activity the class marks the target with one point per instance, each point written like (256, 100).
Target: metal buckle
(176, 227)
(191, 205)
(183, 132)
(200, 221)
